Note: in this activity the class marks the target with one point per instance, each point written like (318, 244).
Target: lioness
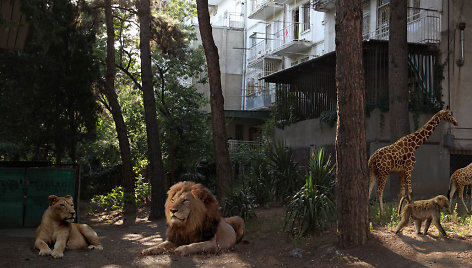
(57, 229)
(195, 224)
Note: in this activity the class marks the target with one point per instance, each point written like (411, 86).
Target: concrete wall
(431, 174)
(458, 79)
(229, 42)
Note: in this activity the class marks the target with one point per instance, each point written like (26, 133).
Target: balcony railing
(294, 38)
(423, 27)
(235, 144)
(257, 50)
(260, 99)
(323, 5)
(263, 9)
(230, 20)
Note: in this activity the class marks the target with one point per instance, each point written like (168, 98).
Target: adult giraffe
(400, 156)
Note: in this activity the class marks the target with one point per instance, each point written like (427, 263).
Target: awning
(326, 62)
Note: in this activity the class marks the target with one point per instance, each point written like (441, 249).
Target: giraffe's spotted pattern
(459, 179)
(400, 156)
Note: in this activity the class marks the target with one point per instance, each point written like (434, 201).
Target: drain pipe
(460, 61)
(244, 89)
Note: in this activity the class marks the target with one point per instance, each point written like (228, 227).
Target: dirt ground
(265, 245)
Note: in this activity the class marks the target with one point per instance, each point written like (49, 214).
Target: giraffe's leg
(408, 169)
(403, 188)
(372, 180)
(461, 197)
(471, 198)
(451, 194)
(381, 181)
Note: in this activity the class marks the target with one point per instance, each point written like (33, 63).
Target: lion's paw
(182, 251)
(56, 254)
(99, 247)
(45, 252)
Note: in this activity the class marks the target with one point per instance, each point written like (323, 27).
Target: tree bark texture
(351, 158)
(223, 165)
(122, 132)
(150, 112)
(398, 79)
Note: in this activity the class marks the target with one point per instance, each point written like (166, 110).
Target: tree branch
(130, 75)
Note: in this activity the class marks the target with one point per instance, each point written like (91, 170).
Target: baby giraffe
(459, 179)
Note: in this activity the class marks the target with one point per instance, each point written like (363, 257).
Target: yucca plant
(284, 170)
(312, 208)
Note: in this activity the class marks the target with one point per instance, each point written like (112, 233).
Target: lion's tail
(238, 225)
(400, 205)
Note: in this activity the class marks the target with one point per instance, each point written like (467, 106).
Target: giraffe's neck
(422, 134)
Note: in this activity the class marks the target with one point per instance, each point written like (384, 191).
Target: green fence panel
(11, 197)
(42, 182)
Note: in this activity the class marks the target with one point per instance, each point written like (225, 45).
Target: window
(383, 17)
(250, 86)
(365, 19)
(306, 16)
(413, 10)
(296, 22)
(253, 40)
(267, 37)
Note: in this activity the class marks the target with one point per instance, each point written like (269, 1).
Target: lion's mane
(204, 217)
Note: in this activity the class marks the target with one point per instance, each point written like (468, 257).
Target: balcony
(291, 40)
(230, 20)
(264, 9)
(324, 5)
(261, 50)
(260, 100)
(423, 27)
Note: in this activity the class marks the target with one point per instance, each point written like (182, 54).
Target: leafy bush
(114, 199)
(239, 202)
(329, 117)
(390, 217)
(102, 180)
(253, 172)
(202, 171)
(284, 171)
(312, 208)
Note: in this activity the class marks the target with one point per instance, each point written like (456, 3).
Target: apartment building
(289, 60)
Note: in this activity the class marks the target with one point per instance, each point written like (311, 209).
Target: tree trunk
(398, 79)
(351, 159)
(121, 130)
(150, 113)
(223, 165)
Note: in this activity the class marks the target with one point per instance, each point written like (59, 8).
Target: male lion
(57, 228)
(195, 224)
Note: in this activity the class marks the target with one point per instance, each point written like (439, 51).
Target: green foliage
(254, 172)
(51, 110)
(312, 208)
(97, 180)
(457, 218)
(114, 200)
(390, 217)
(329, 117)
(284, 170)
(177, 68)
(202, 171)
(108, 202)
(239, 202)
